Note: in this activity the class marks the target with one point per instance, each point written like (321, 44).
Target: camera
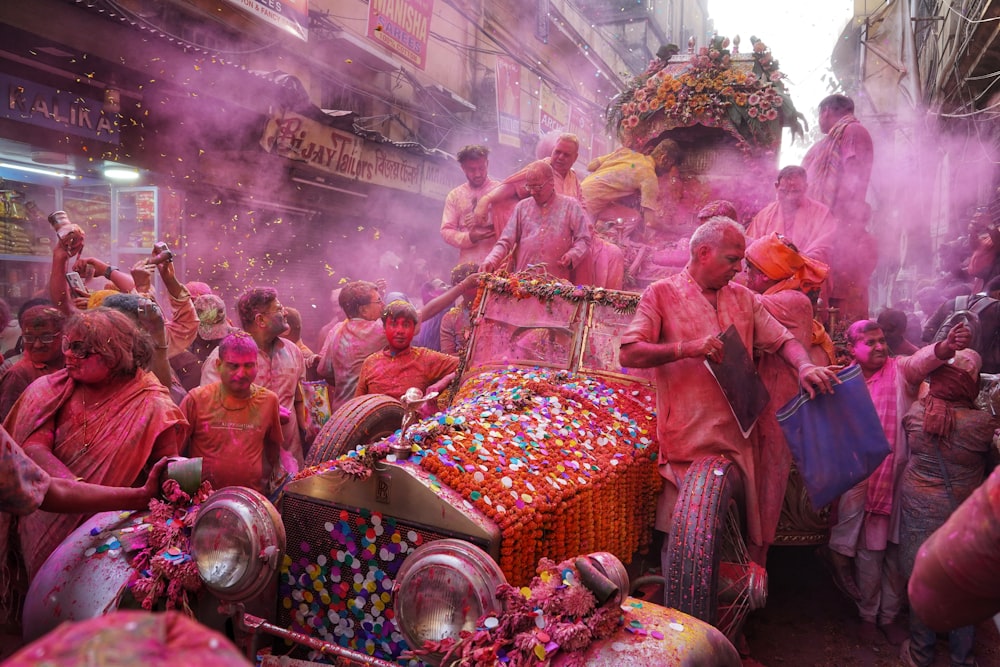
(145, 307)
(161, 254)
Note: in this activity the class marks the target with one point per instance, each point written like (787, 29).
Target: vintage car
(397, 540)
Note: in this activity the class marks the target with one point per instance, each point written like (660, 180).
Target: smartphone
(76, 284)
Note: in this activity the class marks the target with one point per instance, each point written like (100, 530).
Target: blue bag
(836, 439)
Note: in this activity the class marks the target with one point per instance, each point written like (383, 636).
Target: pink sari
(136, 424)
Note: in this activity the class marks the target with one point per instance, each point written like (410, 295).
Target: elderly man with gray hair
(547, 228)
(677, 326)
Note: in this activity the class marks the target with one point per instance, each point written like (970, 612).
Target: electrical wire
(970, 114)
(972, 21)
(136, 18)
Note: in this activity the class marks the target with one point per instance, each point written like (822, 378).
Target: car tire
(359, 421)
(706, 539)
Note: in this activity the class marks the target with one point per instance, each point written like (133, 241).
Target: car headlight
(237, 542)
(443, 588)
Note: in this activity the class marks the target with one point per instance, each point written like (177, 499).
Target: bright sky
(801, 35)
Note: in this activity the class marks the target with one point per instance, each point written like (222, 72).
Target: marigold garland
(164, 570)
(711, 92)
(527, 284)
(563, 464)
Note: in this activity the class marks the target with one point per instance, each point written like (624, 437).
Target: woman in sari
(103, 419)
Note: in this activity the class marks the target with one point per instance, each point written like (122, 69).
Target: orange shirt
(232, 435)
(417, 367)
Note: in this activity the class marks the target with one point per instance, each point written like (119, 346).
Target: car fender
(85, 576)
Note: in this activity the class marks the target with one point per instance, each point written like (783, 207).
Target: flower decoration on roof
(526, 285)
(709, 89)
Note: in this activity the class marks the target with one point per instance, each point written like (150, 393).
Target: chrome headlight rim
(476, 573)
(263, 530)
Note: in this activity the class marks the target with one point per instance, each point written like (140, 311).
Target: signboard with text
(581, 123)
(292, 16)
(553, 113)
(402, 26)
(59, 110)
(346, 155)
(508, 74)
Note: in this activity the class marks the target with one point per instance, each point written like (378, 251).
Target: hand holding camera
(161, 254)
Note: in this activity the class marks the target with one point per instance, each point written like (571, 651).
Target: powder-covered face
(237, 371)
(34, 335)
(870, 350)
(399, 332)
(82, 364)
(475, 170)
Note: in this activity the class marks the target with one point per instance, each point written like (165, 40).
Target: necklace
(86, 439)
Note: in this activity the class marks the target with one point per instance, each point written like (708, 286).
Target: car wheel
(359, 421)
(709, 572)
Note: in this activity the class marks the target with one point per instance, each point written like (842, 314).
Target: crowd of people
(105, 382)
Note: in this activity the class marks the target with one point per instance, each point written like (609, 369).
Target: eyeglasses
(76, 349)
(47, 339)
(535, 187)
(278, 309)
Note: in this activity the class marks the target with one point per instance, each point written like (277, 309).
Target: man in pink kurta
(458, 226)
(603, 264)
(839, 168)
(280, 366)
(545, 228)
(351, 341)
(805, 222)
(867, 527)
(676, 327)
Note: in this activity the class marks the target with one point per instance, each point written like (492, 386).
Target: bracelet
(108, 271)
(677, 351)
(162, 347)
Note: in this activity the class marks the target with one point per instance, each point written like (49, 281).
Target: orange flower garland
(563, 464)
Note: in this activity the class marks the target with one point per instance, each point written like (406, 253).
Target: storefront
(237, 209)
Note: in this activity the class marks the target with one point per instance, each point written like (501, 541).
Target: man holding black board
(677, 329)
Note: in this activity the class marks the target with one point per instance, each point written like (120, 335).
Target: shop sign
(553, 112)
(402, 26)
(59, 110)
(346, 155)
(292, 16)
(440, 178)
(508, 76)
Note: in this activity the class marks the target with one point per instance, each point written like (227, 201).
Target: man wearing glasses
(280, 366)
(41, 328)
(548, 228)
